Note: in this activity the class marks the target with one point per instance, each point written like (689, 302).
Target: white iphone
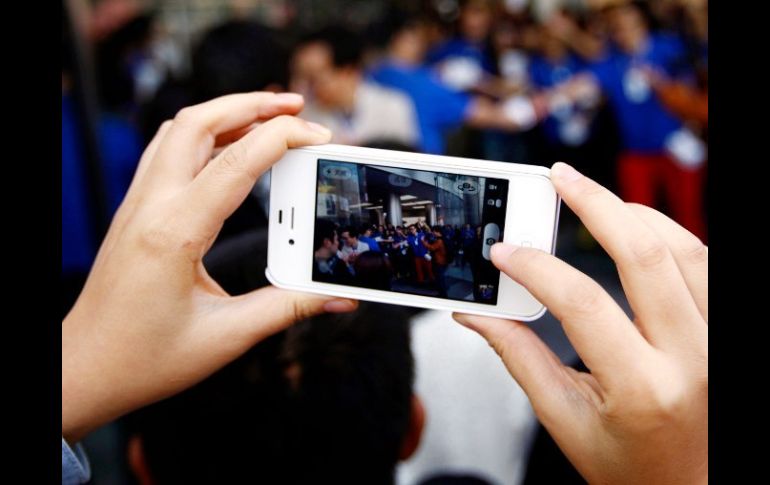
(407, 228)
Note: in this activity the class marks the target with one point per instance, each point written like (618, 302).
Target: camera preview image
(408, 231)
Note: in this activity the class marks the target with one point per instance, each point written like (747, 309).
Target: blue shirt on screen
(371, 242)
(439, 108)
(459, 47)
(643, 121)
(417, 246)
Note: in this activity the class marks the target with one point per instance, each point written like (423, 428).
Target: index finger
(597, 327)
(223, 184)
(187, 146)
(654, 286)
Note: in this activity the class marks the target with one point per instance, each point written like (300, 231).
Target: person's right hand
(641, 414)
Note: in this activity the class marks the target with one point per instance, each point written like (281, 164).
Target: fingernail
(318, 128)
(503, 250)
(339, 306)
(292, 98)
(564, 172)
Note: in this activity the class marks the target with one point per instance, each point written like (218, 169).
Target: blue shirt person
(568, 124)
(439, 108)
(643, 121)
(415, 242)
(371, 242)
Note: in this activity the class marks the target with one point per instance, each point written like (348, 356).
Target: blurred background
(617, 88)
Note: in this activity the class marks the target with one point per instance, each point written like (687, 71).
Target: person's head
(437, 232)
(476, 19)
(349, 237)
(412, 229)
(467, 226)
(549, 44)
(402, 34)
(400, 230)
(118, 57)
(628, 25)
(327, 401)
(367, 231)
(325, 240)
(326, 66)
(373, 270)
(238, 56)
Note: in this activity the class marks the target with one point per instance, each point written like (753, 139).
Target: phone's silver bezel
(532, 204)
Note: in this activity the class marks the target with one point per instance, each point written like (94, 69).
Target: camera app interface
(408, 231)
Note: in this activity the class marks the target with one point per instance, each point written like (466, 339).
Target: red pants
(423, 266)
(642, 176)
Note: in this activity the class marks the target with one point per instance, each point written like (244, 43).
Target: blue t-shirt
(544, 74)
(120, 149)
(459, 47)
(416, 244)
(78, 245)
(643, 121)
(371, 242)
(439, 108)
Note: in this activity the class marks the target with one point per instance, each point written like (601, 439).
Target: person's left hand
(150, 321)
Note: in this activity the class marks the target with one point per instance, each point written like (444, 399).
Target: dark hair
(116, 82)
(238, 56)
(353, 231)
(373, 270)
(640, 6)
(346, 45)
(326, 401)
(324, 229)
(395, 20)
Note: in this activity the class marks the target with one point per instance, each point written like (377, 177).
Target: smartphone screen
(408, 231)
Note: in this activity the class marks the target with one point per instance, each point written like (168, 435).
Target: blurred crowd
(617, 88)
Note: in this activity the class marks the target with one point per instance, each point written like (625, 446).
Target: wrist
(84, 399)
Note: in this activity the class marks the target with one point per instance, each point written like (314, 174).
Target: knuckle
(233, 158)
(165, 236)
(695, 252)
(300, 309)
(282, 122)
(648, 252)
(500, 343)
(186, 116)
(525, 261)
(649, 402)
(584, 297)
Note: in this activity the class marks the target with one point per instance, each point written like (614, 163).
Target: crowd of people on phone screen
(377, 256)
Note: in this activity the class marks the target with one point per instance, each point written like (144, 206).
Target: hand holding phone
(325, 199)
(645, 399)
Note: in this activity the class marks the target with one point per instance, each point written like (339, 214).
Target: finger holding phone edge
(653, 284)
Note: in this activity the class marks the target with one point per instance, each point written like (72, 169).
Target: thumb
(266, 311)
(529, 360)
